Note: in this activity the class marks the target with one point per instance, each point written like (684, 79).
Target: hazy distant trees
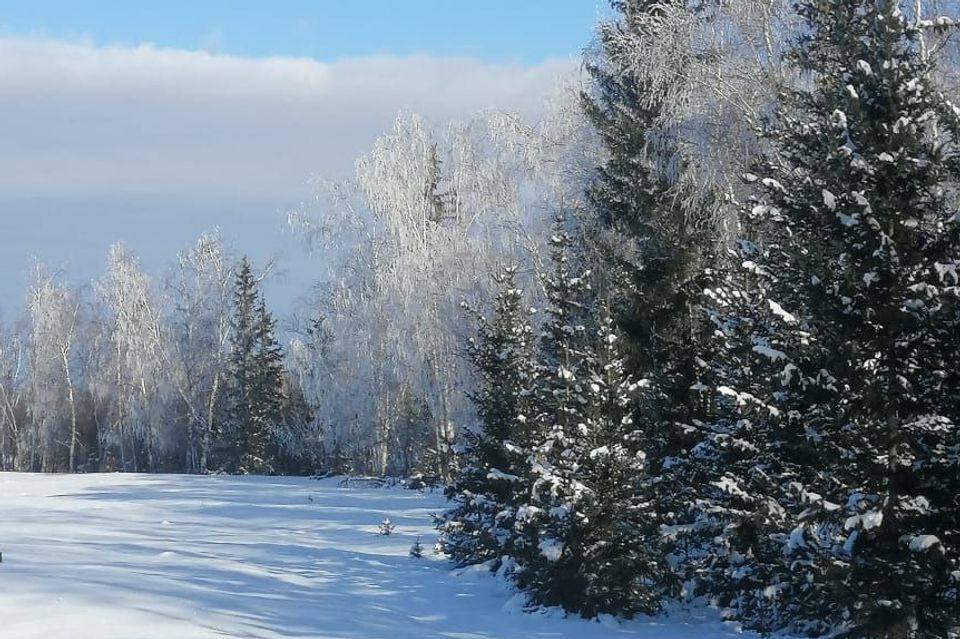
(134, 373)
(131, 381)
(54, 316)
(199, 292)
(429, 215)
(13, 419)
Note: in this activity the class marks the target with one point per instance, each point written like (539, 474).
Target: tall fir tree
(589, 525)
(267, 396)
(480, 525)
(664, 243)
(862, 251)
(254, 395)
(663, 234)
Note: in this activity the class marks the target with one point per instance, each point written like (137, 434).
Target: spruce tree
(661, 251)
(546, 514)
(589, 524)
(254, 394)
(747, 469)
(862, 248)
(492, 456)
(267, 395)
(597, 545)
(662, 234)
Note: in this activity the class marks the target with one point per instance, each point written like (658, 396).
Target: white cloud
(152, 146)
(78, 120)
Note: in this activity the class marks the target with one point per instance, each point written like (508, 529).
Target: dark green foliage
(491, 481)
(861, 250)
(255, 397)
(781, 425)
(554, 480)
(663, 251)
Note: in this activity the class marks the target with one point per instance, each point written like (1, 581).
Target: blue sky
(521, 31)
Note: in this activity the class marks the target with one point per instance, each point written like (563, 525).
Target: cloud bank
(77, 120)
(152, 146)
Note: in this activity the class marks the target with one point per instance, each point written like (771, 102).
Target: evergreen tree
(747, 468)
(862, 250)
(544, 518)
(254, 397)
(662, 254)
(589, 526)
(663, 234)
(267, 396)
(492, 457)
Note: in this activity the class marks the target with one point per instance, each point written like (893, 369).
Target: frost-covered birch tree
(137, 424)
(429, 216)
(54, 311)
(13, 398)
(197, 294)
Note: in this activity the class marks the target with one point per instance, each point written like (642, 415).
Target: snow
(551, 549)
(866, 521)
(829, 200)
(770, 183)
(944, 270)
(770, 353)
(922, 543)
(171, 556)
(796, 539)
(496, 474)
(847, 220)
(777, 310)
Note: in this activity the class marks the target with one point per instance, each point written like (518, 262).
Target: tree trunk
(73, 409)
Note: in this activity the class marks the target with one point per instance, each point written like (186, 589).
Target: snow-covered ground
(184, 557)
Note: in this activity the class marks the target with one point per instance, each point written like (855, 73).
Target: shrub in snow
(416, 550)
(387, 527)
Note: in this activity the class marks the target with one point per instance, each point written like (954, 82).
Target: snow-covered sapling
(387, 527)
(416, 550)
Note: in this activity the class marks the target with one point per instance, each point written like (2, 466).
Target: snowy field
(184, 557)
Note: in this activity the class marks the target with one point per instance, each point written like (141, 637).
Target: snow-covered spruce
(590, 537)
(491, 480)
(861, 244)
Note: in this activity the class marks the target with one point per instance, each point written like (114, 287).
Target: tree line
(184, 376)
(743, 392)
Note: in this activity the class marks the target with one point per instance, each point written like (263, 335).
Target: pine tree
(492, 457)
(254, 397)
(588, 523)
(862, 251)
(660, 256)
